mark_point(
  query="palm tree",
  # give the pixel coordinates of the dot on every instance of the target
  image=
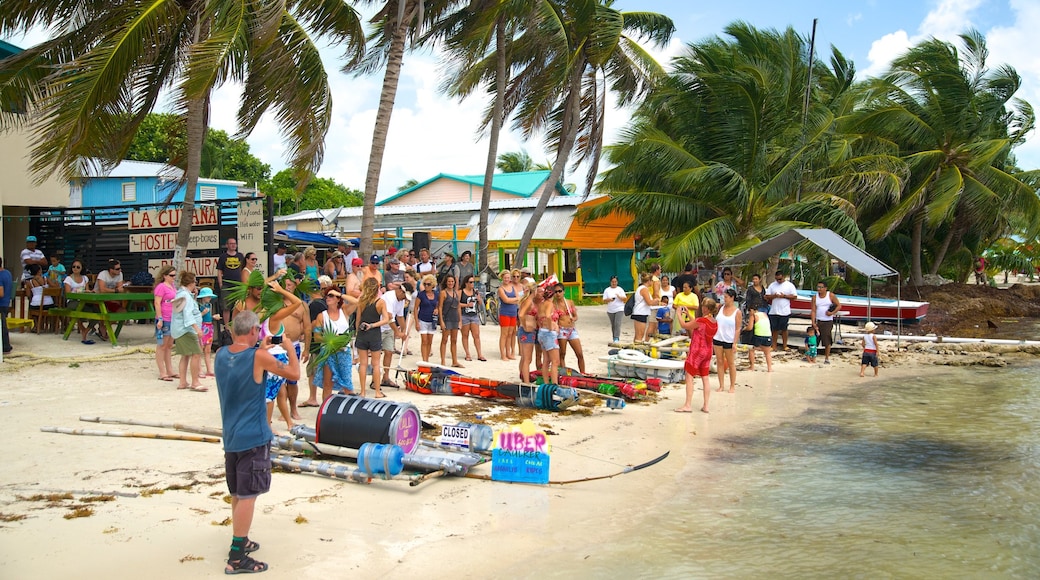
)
(468, 35)
(954, 121)
(91, 86)
(713, 161)
(564, 63)
(395, 22)
(515, 162)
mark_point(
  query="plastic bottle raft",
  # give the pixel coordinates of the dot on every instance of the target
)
(350, 420)
(435, 380)
(630, 389)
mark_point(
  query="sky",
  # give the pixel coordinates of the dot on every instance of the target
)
(431, 134)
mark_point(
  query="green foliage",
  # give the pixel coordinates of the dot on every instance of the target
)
(161, 138)
(320, 193)
(325, 344)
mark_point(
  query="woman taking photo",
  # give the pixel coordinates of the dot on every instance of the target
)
(641, 310)
(729, 320)
(527, 329)
(508, 299)
(449, 312)
(426, 321)
(614, 297)
(470, 317)
(372, 315)
(164, 292)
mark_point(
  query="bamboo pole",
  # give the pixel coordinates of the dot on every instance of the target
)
(176, 426)
(97, 433)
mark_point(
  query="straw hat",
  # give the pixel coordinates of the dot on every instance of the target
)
(869, 327)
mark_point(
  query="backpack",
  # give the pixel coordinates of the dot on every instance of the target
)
(630, 304)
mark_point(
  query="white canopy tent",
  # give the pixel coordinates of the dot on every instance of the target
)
(834, 245)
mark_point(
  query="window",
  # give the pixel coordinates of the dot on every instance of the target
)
(130, 191)
(207, 193)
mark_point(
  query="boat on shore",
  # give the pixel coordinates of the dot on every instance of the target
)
(861, 309)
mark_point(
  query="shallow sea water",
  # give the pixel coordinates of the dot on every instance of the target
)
(935, 476)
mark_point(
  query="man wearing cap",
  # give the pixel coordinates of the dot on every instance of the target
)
(31, 255)
(779, 295)
(349, 251)
(393, 275)
(525, 272)
(372, 271)
(355, 277)
(395, 300)
(279, 257)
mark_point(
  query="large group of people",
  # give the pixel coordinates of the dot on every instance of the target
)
(717, 316)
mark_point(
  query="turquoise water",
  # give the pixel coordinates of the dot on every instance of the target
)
(936, 476)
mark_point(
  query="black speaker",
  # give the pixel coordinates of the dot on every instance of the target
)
(420, 240)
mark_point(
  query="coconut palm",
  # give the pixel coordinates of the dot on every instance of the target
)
(955, 122)
(564, 64)
(395, 22)
(715, 159)
(93, 83)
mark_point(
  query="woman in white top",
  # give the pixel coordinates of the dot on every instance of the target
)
(35, 285)
(337, 371)
(729, 320)
(824, 305)
(614, 297)
(641, 307)
(77, 281)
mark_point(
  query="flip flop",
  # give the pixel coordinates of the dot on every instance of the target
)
(88, 342)
(379, 396)
(182, 387)
(480, 358)
(167, 379)
(200, 389)
(303, 405)
(683, 411)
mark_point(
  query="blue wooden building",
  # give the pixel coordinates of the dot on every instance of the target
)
(141, 182)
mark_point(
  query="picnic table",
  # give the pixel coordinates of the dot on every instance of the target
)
(137, 306)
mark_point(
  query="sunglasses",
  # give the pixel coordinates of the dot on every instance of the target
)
(558, 292)
(77, 267)
(252, 259)
(117, 268)
(171, 274)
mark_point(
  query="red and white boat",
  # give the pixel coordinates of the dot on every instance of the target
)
(854, 308)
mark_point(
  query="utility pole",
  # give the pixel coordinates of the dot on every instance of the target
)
(805, 108)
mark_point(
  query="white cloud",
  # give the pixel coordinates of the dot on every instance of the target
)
(852, 18)
(884, 50)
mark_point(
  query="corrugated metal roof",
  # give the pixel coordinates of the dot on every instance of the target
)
(128, 168)
(510, 224)
(521, 183)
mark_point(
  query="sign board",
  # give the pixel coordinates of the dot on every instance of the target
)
(202, 267)
(166, 242)
(169, 218)
(251, 230)
(456, 435)
(521, 454)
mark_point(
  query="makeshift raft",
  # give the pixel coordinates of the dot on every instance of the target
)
(629, 389)
(629, 364)
(431, 379)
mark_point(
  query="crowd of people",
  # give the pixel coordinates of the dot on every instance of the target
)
(719, 315)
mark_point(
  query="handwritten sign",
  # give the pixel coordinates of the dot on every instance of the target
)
(171, 218)
(251, 230)
(455, 435)
(521, 454)
(206, 267)
(166, 242)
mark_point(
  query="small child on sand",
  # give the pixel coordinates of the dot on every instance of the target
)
(206, 297)
(811, 341)
(870, 349)
(664, 317)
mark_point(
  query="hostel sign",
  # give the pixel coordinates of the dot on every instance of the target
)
(521, 454)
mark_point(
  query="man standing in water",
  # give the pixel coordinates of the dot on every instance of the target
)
(240, 369)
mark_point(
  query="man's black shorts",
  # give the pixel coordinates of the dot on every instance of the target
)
(778, 322)
(248, 472)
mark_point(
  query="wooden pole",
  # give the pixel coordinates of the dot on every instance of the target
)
(176, 426)
(96, 433)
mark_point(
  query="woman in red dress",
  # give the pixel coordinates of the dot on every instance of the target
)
(698, 359)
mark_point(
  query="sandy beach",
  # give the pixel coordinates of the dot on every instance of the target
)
(166, 513)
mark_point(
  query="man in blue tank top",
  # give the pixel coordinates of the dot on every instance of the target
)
(240, 369)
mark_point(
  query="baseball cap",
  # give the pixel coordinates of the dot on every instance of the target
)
(357, 262)
(282, 247)
(394, 261)
(391, 250)
(30, 238)
(374, 259)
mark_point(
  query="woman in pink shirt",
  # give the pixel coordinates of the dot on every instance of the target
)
(164, 292)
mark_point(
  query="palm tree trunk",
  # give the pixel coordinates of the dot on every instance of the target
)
(497, 114)
(567, 137)
(945, 247)
(197, 119)
(916, 242)
(379, 134)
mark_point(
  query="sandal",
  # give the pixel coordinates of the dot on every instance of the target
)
(199, 389)
(245, 565)
(251, 546)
